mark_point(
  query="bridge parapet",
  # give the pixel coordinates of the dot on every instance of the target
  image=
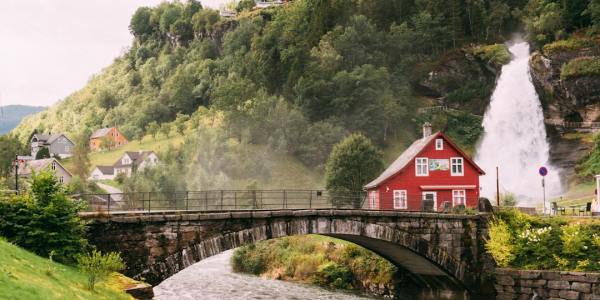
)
(438, 250)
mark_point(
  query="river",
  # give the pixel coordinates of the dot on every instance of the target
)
(213, 278)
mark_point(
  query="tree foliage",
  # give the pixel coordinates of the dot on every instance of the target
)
(44, 220)
(352, 164)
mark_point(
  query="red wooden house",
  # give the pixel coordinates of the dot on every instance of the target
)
(432, 168)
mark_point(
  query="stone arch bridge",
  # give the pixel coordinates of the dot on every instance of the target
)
(437, 252)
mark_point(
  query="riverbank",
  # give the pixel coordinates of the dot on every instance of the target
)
(318, 260)
(214, 279)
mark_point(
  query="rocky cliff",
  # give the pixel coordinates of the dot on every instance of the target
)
(568, 93)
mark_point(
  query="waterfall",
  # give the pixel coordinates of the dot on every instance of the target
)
(514, 137)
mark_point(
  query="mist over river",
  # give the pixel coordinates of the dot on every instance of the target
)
(213, 278)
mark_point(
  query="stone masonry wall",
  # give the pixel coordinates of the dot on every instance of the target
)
(552, 285)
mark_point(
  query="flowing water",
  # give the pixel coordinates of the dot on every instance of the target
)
(514, 136)
(212, 278)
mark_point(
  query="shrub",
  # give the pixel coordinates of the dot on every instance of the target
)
(572, 44)
(496, 54)
(247, 260)
(98, 266)
(574, 239)
(333, 275)
(509, 200)
(500, 244)
(579, 67)
(44, 220)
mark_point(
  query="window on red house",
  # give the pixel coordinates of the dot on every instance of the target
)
(459, 197)
(422, 166)
(400, 199)
(456, 167)
(373, 199)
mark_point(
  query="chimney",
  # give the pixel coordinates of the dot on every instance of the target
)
(426, 129)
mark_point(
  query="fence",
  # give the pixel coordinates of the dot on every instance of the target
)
(221, 200)
(227, 200)
(573, 125)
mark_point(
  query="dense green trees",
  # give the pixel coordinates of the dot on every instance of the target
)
(352, 164)
(44, 220)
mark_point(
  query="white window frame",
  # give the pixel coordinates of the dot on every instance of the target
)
(53, 166)
(400, 199)
(439, 144)
(373, 199)
(419, 164)
(457, 195)
(457, 161)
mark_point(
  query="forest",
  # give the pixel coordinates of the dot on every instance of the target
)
(297, 79)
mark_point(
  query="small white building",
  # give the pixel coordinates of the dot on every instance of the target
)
(102, 173)
(27, 168)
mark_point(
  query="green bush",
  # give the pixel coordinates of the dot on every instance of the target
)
(497, 54)
(333, 275)
(571, 44)
(500, 244)
(247, 260)
(529, 242)
(44, 220)
(579, 67)
(98, 266)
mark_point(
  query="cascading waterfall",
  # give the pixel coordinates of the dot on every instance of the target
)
(514, 136)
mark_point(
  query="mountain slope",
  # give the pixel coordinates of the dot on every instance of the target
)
(11, 115)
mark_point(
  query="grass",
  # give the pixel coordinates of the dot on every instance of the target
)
(107, 158)
(577, 194)
(24, 275)
(580, 67)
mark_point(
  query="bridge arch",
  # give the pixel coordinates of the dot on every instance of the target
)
(421, 244)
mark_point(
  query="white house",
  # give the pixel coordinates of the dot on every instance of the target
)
(27, 168)
(103, 172)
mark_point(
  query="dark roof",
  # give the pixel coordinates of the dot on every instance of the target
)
(411, 152)
(48, 138)
(106, 170)
(138, 156)
(100, 132)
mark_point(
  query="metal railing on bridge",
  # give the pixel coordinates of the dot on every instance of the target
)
(229, 200)
(220, 200)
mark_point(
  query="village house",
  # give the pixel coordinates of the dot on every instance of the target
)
(58, 144)
(432, 174)
(102, 173)
(134, 161)
(27, 168)
(107, 138)
(130, 162)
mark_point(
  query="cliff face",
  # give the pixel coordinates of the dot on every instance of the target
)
(572, 98)
(461, 80)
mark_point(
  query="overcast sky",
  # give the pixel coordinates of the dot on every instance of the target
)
(50, 48)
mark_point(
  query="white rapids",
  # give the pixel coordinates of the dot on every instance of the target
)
(514, 136)
(213, 278)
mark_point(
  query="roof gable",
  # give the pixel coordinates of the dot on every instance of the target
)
(416, 148)
(40, 165)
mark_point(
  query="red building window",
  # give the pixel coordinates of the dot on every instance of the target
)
(373, 199)
(459, 197)
(400, 199)
(422, 166)
(457, 166)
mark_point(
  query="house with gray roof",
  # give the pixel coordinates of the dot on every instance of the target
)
(103, 172)
(132, 161)
(27, 168)
(58, 144)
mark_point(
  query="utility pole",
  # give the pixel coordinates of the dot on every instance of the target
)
(497, 188)
(16, 175)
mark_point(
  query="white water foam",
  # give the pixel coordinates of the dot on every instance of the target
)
(514, 136)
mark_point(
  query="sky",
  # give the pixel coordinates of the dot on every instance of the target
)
(50, 48)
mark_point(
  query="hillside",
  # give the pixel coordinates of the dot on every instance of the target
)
(24, 275)
(11, 115)
(268, 83)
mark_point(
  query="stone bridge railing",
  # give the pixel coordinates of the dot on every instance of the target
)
(438, 251)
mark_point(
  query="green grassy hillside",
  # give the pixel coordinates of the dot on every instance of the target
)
(24, 275)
